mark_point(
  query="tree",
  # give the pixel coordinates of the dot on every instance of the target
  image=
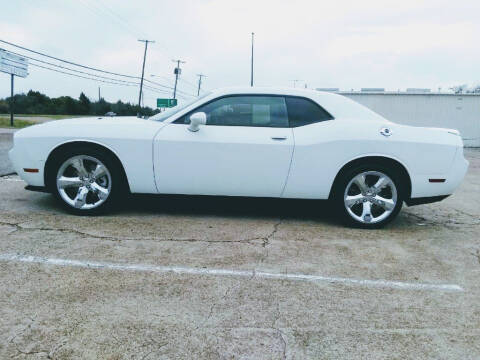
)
(84, 105)
(34, 102)
(4, 107)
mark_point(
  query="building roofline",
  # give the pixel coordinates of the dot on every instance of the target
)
(400, 93)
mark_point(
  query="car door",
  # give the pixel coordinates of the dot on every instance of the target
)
(315, 160)
(245, 149)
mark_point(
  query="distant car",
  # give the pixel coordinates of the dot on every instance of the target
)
(260, 142)
(110, 113)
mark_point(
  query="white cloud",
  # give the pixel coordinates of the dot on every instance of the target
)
(327, 43)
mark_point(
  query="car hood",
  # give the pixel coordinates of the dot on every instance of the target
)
(97, 120)
(92, 127)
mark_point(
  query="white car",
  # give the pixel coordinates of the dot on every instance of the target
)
(263, 142)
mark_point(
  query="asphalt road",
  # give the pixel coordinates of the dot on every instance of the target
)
(215, 278)
(6, 143)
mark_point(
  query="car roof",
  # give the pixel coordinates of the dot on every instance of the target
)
(337, 105)
(265, 90)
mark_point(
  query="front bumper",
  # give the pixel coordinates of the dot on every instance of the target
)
(37, 188)
(21, 160)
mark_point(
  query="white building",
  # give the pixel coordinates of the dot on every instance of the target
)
(420, 107)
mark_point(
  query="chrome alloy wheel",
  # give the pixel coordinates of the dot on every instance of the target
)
(370, 197)
(84, 182)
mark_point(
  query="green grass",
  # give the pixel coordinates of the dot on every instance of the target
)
(56, 117)
(5, 123)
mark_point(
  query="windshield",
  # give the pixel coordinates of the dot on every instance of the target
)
(172, 111)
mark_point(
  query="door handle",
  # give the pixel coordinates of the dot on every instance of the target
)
(279, 138)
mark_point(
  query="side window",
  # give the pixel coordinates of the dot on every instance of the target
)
(304, 112)
(256, 111)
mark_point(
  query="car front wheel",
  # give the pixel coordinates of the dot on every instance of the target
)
(86, 181)
(369, 196)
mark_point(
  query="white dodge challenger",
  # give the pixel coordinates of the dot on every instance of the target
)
(262, 142)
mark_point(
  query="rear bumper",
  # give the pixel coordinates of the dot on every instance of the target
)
(423, 188)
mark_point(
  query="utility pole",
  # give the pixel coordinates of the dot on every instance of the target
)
(99, 97)
(12, 101)
(143, 71)
(251, 65)
(295, 82)
(177, 72)
(199, 82)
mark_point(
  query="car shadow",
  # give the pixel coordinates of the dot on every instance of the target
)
(232, 207)
(229, 206)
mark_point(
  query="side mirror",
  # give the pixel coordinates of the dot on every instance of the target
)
(197, 119)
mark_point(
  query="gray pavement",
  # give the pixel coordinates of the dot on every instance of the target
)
(6, 143)
(162, 278)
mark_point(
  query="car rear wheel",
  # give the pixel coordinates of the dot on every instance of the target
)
(369, 196)
(86, 181)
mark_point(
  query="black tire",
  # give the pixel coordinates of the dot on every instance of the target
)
(117, 178)
(344, 179)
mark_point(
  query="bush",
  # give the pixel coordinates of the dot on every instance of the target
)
(37, 103)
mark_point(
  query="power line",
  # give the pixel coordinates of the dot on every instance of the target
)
(100, 8)
(167, 87)
(92, 77)
(68, 62)
(70, 69)
(163, 92)
(188, 83)
(101, 13)
(83, 77)
(103, 81)
(121, 18)
(86, 73)
(161, 76)
(193, 86)
(86, 67)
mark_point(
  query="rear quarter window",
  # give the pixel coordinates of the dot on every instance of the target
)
(303, 112)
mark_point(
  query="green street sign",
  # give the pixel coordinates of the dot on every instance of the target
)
(166, 103)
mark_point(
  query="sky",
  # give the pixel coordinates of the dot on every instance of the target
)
(345, 44)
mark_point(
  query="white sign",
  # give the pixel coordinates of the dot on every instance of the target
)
(13, 64)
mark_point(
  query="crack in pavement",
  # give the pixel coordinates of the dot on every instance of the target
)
(266, 239)
(224, 297)
(251, 241)
(446, 223)
(274, 327)
(477, 255)
(32, 351)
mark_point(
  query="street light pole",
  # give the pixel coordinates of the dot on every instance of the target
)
(295, 82)
(251, 65)
(199, 83)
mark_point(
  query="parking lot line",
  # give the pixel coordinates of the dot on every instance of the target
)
(231, 273)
